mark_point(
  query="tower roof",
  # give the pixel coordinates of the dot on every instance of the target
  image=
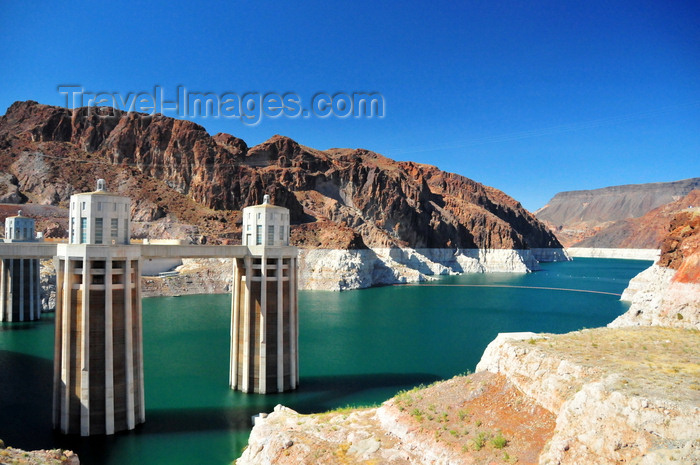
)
(101, 190)
(19, 215)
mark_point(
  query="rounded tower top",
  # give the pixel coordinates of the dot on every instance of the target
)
(99, 217)
(265, 224)
(19, 228)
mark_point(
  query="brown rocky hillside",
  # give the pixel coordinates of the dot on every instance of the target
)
(645, 232)
(185, 182)
(598, 218)
(680, 249)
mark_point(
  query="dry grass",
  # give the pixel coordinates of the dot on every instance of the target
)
(481, 417)
(651, 361)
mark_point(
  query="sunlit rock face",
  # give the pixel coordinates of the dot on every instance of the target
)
(178, 173)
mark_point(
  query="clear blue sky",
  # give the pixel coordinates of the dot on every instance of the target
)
(529, 99)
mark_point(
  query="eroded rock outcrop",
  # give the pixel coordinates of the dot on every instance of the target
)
(341, 269)
(177, 173)
(585, 397)
(10, 455)
(668, 293)
(612, 406)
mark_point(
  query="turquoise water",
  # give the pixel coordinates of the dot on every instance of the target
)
(356, 347)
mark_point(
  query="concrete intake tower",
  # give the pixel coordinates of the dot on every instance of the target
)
(265, 317)
(98, 379)
(98, 356)
(20, 281)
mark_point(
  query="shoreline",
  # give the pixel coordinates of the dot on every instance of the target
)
(624, 254)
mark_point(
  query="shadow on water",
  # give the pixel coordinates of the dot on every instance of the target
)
(26, 402)
(317, 394)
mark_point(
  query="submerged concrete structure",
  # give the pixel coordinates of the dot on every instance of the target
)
(264, 317)
(98, 354)
(20, 279)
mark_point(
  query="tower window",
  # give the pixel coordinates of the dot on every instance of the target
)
(114, 226)
(83, 230)
(258, 235)
(270, 235)
(98, 230)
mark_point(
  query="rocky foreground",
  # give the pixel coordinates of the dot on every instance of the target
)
(668, 292)
(600, 396)
(12, 456)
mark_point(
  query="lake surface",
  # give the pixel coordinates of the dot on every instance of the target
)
(356, 347)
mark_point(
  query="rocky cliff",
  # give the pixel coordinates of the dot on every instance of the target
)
(668, 293)
(577, 398)
(603, 217)
(185, 181)
(645, 232)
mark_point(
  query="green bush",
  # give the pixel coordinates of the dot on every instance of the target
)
(498, 441)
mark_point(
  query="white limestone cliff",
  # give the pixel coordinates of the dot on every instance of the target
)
(342, 269)
(600, 252)
(608, 406)
(657, 300)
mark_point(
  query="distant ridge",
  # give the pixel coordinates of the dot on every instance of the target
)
(576, 216)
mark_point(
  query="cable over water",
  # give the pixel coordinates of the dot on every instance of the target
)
(519, 287)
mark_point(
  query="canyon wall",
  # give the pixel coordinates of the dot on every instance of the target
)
(189, 185)
(668, 293)
(630, 216)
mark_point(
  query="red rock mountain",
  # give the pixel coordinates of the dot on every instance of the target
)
(680, 249)
(612, 216)
(646, 232)
(185, 182)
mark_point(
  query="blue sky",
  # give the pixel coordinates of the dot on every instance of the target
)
(529, 97)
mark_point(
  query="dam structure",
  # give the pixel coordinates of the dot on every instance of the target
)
(98, 352)
(264, 317)
(20, 281)
(98, 380)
